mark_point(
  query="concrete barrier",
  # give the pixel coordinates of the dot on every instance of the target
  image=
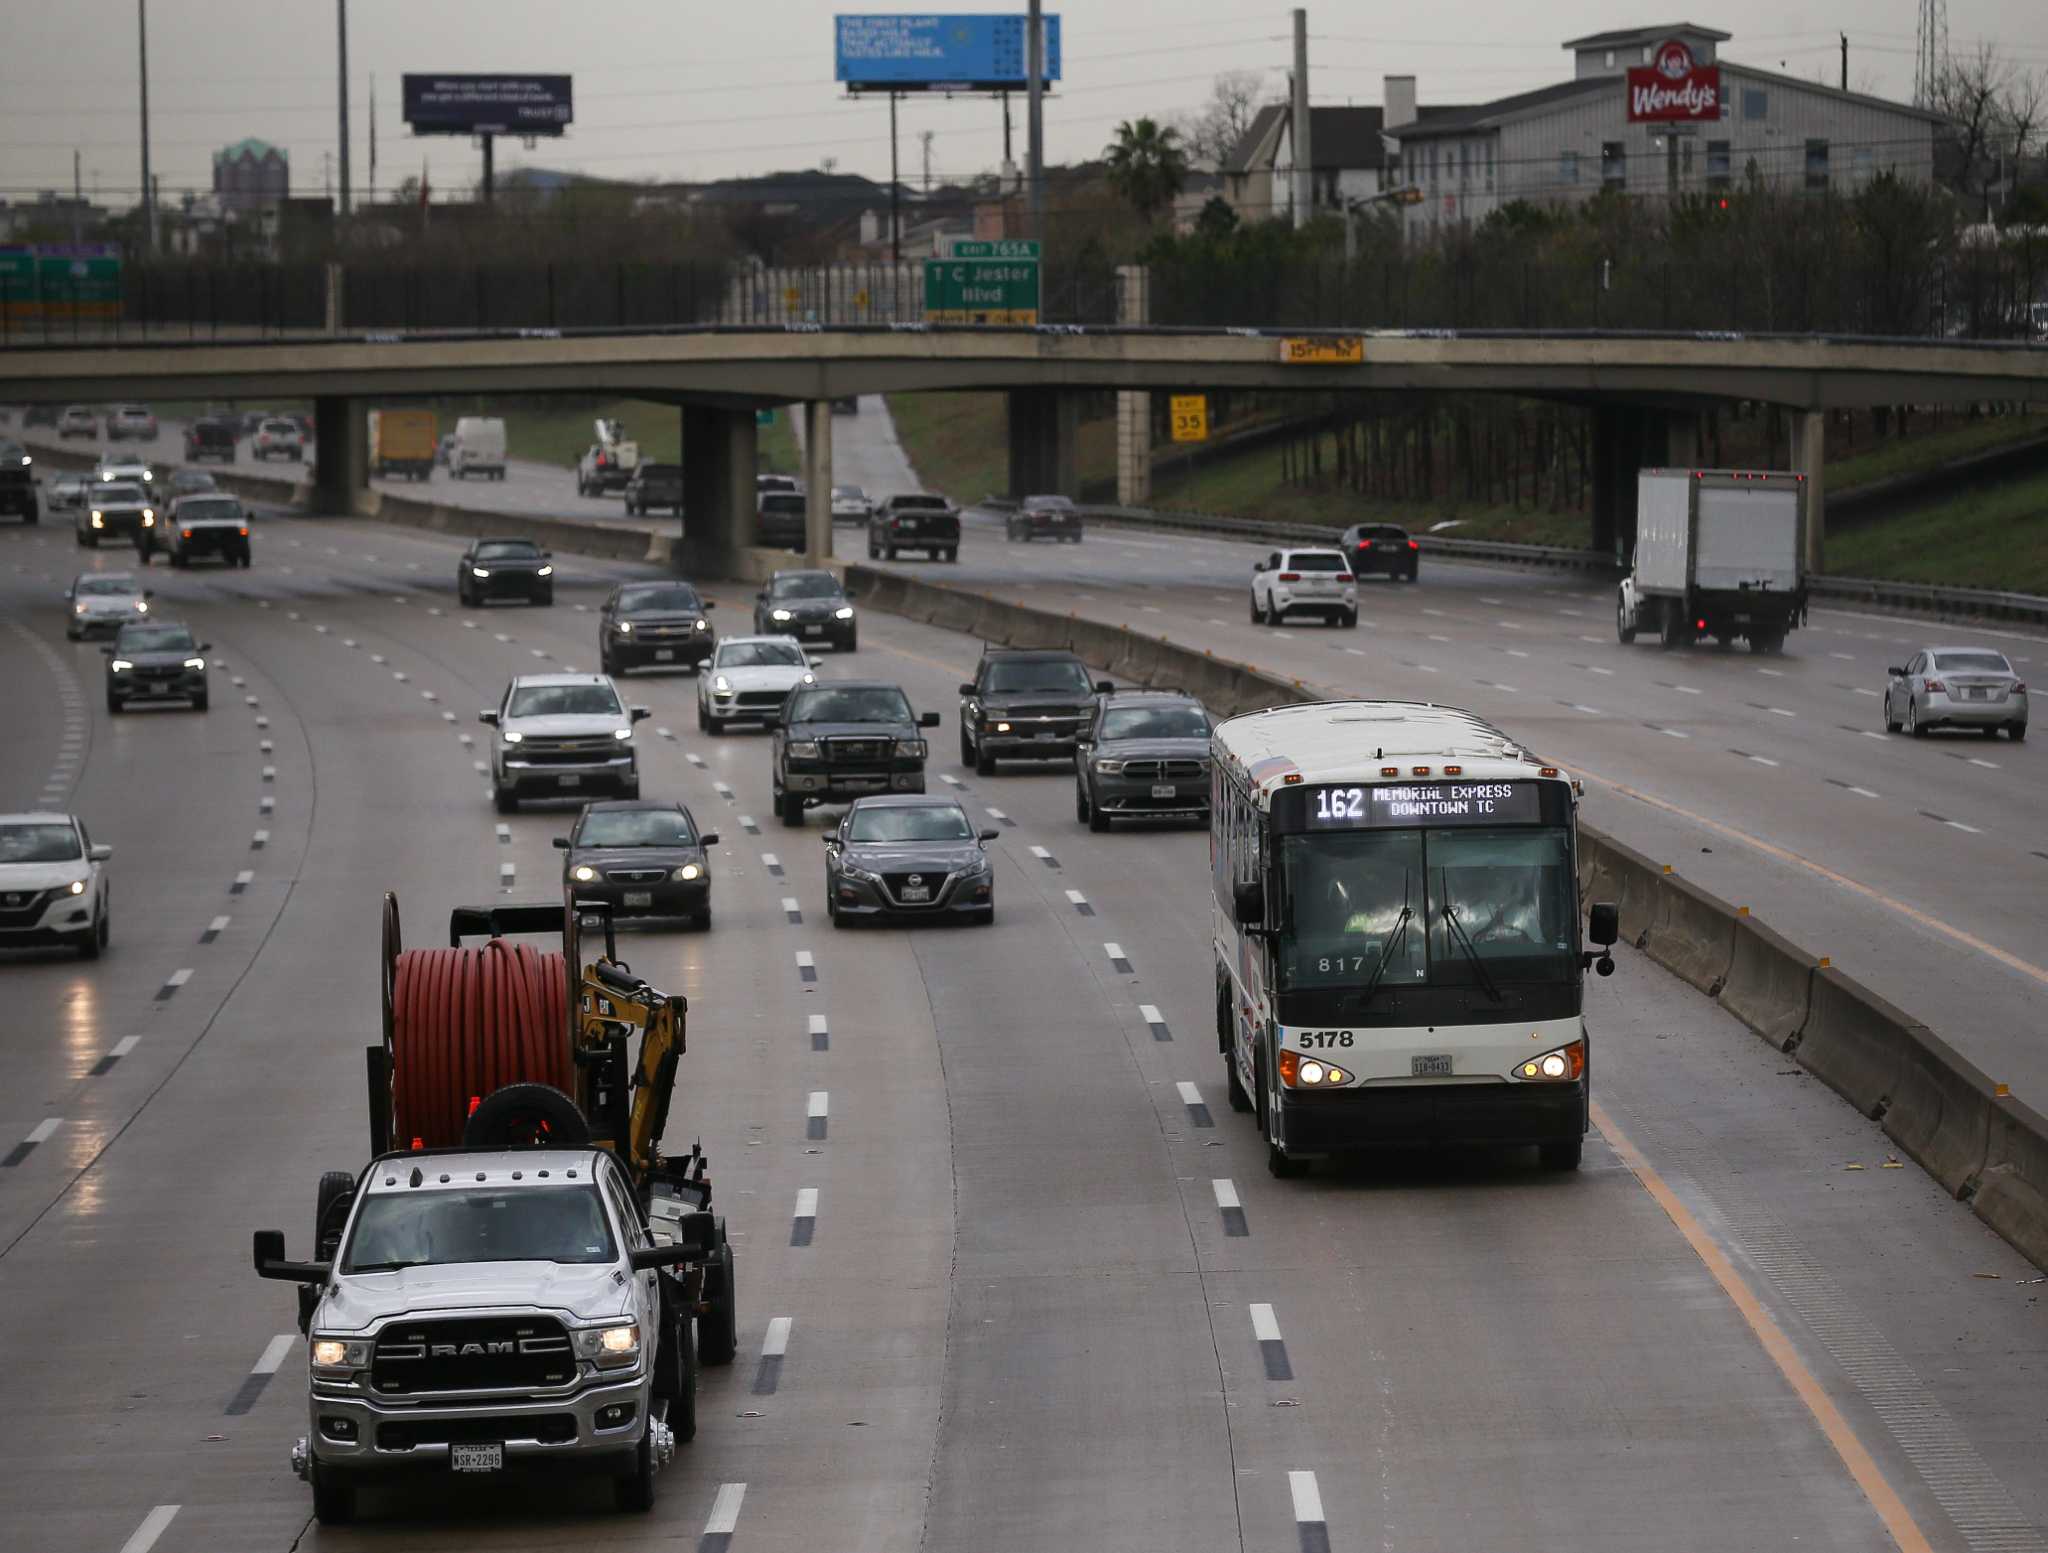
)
(1770, 982)
(1940, 1112)
(1631, 881)
(2012, 1193)
(1693, 936)
(1854, 1041)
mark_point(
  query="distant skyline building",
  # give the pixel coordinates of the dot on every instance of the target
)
(251, 174)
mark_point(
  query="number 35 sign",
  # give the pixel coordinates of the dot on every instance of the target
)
(1190, 418)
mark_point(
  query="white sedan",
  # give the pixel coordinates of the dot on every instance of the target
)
(53, 883)
(747, 680)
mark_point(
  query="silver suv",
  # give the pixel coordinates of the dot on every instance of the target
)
(562, 736)
(488, 1311)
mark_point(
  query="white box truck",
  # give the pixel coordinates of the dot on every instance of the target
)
(478, 448)
(1720, 553)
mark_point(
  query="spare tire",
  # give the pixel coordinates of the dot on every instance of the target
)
(526, 1116)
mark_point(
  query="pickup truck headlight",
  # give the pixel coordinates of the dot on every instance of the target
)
(622, 733)
(514, 736)
(703, 625)
(338, 1355)
(780, 614)
(99, 520)
(803, 749)
(624, 628)
(1110, 767)
(610, 1347)
(195, 663)
(479, 571)
(78, 609)
(910, 749)
(845, 612)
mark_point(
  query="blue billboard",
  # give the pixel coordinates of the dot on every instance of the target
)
(927, 53)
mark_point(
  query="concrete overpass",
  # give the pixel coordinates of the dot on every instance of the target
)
(1643, 388)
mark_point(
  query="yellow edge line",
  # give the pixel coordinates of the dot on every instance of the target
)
(1786, 855)
(1883, 1498)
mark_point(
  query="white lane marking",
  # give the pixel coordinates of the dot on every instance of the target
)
(270, 773)
(504, 831)
(996, 814)
(1149, 1012)
(1761, 760)
(537, 652)
(479, 767)
(1590, 711)
(428, 695)
(153, 1526)
(1988, 765)
(791, 904)
(1959, 825)
(263, 746)
(1514, 652)
(722, 789)
(1151, 609)
(273, 1354)
(690, 755)
(125, 1045)
(1673, 733)
(1870, 733)
(1265, 1325)
(1608, 672)
(806, 1202)
(804, 962)
(44, 1130)
(1115, 952)
(1688, 690)
(1436, 612)
(1862, 691)
(376, 657)
(1574, 613)
(1356, 652)
(817, 1024)
(266, 805)
(1226, 1193)
(469, 625)
(348, 641)
(1077, 897)
(666, 734)
(399, 675)
(819, 1103)
(770, 860)
(949, 779)
(260, 838)
(1215, 622)
(465, 740)
(1189, 1095)
(725, 1510)
(1846, 657)
(217, 926)
(178, 978)
(776, 1343)
(1426, 668)
(505, 872)
(1285, 636)
(1485, 600)
(1779, 711)
(501, 636)
(1040, 853)
(1773, 673)
(1308, 1499)
(1435, 638)
(1862, 792)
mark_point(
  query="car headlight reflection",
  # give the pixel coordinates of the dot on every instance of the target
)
(120, 665)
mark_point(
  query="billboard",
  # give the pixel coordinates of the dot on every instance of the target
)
(925, 53)
(1673, 88)
(488, 104)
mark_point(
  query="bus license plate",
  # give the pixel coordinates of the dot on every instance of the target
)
(477, 1458)
(642, 898)
(1437, 1065)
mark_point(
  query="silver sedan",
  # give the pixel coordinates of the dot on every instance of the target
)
(1956, 687)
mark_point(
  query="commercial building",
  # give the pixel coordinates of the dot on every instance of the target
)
(1656, 111)
(250, 174)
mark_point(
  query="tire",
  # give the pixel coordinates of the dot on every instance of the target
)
(92, 541)
(889, 553)
(1891, 724)
(1560, 1156)
(718, 1329)
(334, 1497)
(984, 764)
(966, 750)
(1098, 820)
(1349, 619)
(790, 806)
(244, 559)
(545, 600)
(681, 1338)
(852, 642)
(1239, 1100)
(1670, 628)
(952, 557)
(337, 1192)
(113, 704)
(90, 943)
(701, 920)
(1081, 804)
(703, 719)
(199, 703)
(522, 1114)
(1624, 633)
(2017, 732)
(1258, 616)
(1767, 642)
(507, 800)
(1916, 728)
(633, 1489)
(874, 551)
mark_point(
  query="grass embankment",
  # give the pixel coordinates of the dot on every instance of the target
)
(1995, 537)
(959, 443)
(1957, 438)
(558, 433)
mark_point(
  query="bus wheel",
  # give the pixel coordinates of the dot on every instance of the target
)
(1239, 1100)
(1560, 1156)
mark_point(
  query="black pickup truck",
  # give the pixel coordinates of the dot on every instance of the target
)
(917, 520)
(845, 740)
(211, 437)
(18, 483)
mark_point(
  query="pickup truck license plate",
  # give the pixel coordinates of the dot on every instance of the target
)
(477, 1458)
(572, 780)
(1435, 1066)
(639, 898)
(664, 655)
(916, 892)
(1162, 790)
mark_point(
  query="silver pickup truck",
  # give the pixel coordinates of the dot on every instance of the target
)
(483, 1312)
(207, 524)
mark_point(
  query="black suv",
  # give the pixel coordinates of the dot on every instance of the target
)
(845, 740)
(210, 437)
(18, 482)
(155, 660)
(655, 485)
(916, 521)
(811, 606)
(1146, 753)
(1026, 703)
(657, 623)
(1381, 547)
(505, 568)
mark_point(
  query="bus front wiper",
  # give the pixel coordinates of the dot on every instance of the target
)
(1395, 937)
(1471, 951)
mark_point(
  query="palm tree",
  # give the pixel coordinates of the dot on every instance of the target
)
(1147, 165)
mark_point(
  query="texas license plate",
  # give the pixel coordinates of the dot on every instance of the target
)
(639, 897)
(1162, 789)
(814, 630)
(1980, 695)
(916, 892)
(477, 1458)
(570, 780)
(664, 655)
(1437, 1065)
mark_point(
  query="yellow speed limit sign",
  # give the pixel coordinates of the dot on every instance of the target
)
(1190, 418)
(1330, 351)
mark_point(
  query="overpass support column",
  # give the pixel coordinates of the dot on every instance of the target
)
(1044, 428)
(817, 481)
(1809, 457)
(718, 489)
(1133, 406)
(341, 456)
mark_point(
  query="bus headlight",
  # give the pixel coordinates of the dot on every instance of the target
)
(1299, 1072)
(1563, 1065)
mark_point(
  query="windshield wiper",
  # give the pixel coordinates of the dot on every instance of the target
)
(1396, 936)
(385, 1267)
(1471, 951)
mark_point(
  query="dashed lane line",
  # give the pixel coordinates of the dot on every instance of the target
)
(153, 1526)
(38, 1135)
(803, 1223)
(259, 1376)
(1197, 1107)
(1154, 1021)
(1231, 1207)
(774, 1348)
(817, 1115)
(1272, 1345)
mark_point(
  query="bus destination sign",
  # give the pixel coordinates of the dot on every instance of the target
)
(1426, 804)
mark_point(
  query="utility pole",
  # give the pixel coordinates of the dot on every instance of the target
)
(372, 195)
(895, 191)
(926, 137)
(1304, 163)
(148, 184)
(1034, 116)
(341, 27)
(1845, 62)
(77, 199)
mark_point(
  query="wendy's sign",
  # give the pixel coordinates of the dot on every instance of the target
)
(1673, 87)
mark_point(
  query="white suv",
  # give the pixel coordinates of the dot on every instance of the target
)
(279, 438)
(53, 883)
(1304, 582)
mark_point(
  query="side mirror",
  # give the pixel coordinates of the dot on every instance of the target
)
(708, 839)
(1248, 903)
(1258, 566)
(107, 652)
(206, 647)
(1896, 673)
(1104, 687)
(1603, 922)
(101, 853)
(988, 835)
(488, 719)
(831, 838)
(562, 843)
(711, 603)
(966, 690)
(929, 720)
(267, 1252)
(641, 714)
(149, 593)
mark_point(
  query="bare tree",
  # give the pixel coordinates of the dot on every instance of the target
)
(1970, 93)
(1211, 132)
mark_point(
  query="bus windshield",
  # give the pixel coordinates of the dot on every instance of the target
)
(1483, 907)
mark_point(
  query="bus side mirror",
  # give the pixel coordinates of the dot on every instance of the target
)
(1248, 903)
(1603, 924)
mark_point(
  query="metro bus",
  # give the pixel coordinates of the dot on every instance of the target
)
(1397, 932)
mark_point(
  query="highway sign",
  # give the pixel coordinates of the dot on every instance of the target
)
(487, 104)
(764, 417)
(1190, 417)
(1341, 351)
(998, 248)
(927, 53)
(981, 291)
(61, 280)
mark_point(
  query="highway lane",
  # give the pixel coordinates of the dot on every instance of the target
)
(1052, 1329)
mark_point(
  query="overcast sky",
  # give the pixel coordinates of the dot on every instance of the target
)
(690, 89)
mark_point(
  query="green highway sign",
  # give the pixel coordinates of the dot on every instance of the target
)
(1001, 248)
(982, 289)
(764, 417)
(61, 280)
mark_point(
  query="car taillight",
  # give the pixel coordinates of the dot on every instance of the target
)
(1935, 684)
(1414, 544)
(2019, 687)
(184, 533)
(1288, 577)
(1365, 544)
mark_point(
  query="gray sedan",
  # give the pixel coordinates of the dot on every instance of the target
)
(1956, 687)
(905, 855)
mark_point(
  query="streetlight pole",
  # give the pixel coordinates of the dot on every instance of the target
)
(1034, 117)
(148, 183)
(341, 26)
